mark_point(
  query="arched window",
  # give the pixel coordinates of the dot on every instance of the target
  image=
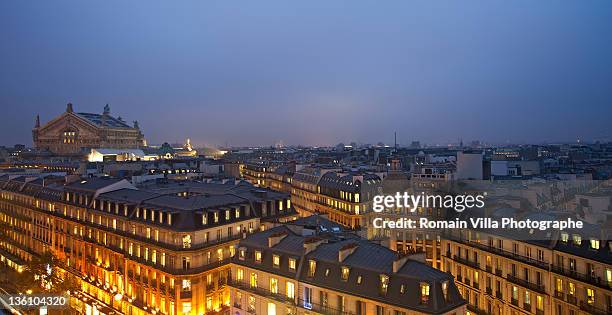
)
(69, 136)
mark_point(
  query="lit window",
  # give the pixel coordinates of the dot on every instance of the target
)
(258, 256)
(564, 237)
(216, 217)
(186, 241)
(445, 289)
(239, 274)
(384, 284)
(253, 281)
(540, 303)
(242, 254)
(359, 279)
(276, 261)
(186, 307)
(590, 296)
(577, 239)
(186, 285)
(273, 285)
(290, 290)
(345, 273)
(424, 293)
(204, 219)
(312, 266)
(594, 244)
(292, 264)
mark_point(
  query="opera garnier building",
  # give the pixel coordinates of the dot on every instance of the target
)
(73, 133)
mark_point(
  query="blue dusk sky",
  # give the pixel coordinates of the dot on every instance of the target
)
(313, 72)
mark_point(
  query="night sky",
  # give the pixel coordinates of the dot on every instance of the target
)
(313, 73)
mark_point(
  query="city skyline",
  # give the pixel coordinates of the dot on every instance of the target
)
(308, 74)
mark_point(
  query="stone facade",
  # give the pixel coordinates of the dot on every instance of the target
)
(74, 133)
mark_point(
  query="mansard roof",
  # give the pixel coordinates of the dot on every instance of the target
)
(367, 262)
(104, 120)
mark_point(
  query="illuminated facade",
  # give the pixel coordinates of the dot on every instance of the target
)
(279, 271)
(344, 197)
(569, 274)
(135, 251)
(265, 174)
(74, 133)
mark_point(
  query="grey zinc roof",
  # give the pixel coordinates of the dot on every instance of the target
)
(92, 184)
(368, 262)
(192, 203)
(101, 121)
(128, 195)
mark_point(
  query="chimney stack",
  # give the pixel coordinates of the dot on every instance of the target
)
(346, 251)
(276, 238)
(311, 244)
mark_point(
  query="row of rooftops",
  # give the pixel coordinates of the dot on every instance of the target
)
(186, 209)
(337, 179)
(348, 264)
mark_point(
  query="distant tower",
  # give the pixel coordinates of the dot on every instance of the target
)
(106, 110)
(395, 141)
(69, 108)
(37, 125)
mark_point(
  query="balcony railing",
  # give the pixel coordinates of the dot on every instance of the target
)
(582, 277)
(559, 295)
(592, 309)
(526, 284)
(495, 250)
(527, 307)
(242, 285)
(322, 309)
(475, 310)
(466, 261)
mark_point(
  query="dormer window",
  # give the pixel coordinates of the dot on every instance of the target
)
(384, 284)
(424, 290)
(564, 237)
(280, 205)
(359, 279)
(216, 217)
(594, 244)
(276, 261)
(312, 267)
(345, 273)
(445, 290)
(237, 213)
(402, 289)
(292, 264)
(242, 254)
(577, 239)
(227, 215)
(258, 256)
(204, 218)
